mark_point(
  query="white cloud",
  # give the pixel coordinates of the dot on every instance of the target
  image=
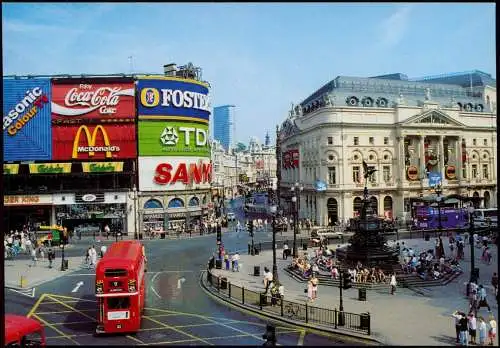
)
(394, 28)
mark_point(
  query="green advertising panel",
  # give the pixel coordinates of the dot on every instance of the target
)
(176, 138)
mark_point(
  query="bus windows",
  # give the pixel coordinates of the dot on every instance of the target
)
(119, 302)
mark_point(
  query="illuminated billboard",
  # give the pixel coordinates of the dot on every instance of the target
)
(174, 173)
(27, 132)
(161, 97)
(173, 138)
(94, 142)
(92, 101)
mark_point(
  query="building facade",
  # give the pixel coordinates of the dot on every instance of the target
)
(223, 125)
(416, 134)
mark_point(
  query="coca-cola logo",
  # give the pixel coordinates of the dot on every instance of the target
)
(85, 98)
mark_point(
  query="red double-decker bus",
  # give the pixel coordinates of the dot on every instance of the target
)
(120, 287)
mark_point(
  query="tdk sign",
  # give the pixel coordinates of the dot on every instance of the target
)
(164, 98)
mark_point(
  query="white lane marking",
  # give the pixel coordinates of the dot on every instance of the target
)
(78, 285)
(26, 292)
(152, 287)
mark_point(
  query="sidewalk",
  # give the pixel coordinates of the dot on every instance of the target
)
(36, 275)
(403, 319)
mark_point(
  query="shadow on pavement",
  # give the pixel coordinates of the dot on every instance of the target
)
(448, 340)
(83, 316)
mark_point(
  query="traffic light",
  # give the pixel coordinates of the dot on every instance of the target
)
(270, 336)
(346, 280)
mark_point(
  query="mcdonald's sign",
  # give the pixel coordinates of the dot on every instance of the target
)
(89, 142)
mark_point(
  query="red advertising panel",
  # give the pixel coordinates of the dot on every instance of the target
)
(92, 101)
(94, 142)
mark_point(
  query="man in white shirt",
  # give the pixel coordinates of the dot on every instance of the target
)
(103, 250)
(268, 278)
(285, 251)
(234, 261)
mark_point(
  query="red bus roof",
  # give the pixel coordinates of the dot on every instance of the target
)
(120, 254)
(17, 326)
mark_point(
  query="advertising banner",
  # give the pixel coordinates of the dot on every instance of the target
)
(434, 178)
(174, 173)
(93, 142)
(97, 101)
(9, 169)
(102, 167)
(27, 134)
(50, 168)
(173, 98)
(290, 159)
(173, 138)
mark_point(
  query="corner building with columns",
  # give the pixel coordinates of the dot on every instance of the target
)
(414, 132)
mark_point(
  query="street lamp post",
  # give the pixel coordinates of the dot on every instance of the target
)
(296, 189)
(63, 266)
(274, 209)
(135, 198)
(438, 191)
(471, 242)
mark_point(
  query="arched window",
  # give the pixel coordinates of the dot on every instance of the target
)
(194, 202)
(374, 204)
(388, 206)
(176, 203)
(487, 199)
(153, 204)
(356, 206)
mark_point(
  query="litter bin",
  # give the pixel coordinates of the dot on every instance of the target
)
(364, 321)
(256, 251)
(304, 246)
(162, 235)
(223, 283)
(65, 263)
(427, 237)
(218, 264)
(256, 271)
(263, 299)
(362, 294)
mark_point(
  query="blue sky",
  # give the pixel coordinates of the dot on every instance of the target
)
(259, 57)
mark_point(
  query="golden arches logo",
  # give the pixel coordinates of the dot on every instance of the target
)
(91, 139)
(150, 97)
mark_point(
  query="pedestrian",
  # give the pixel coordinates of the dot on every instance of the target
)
(33, 257)
(483, 302)
(87, 257)
(456, 315)
(472, 328)
(494, 281)
(226, 261)
(285, 251)
(492, 332)
(93, 256)
(103, 251)
(393, 283)
(50, 257)
(310, 289)
(235, 259)
(464, 326)
(41, 250)
(483, 331)
(314, 282)
(107, 230)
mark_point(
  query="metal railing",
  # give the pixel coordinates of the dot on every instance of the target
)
(302, 312)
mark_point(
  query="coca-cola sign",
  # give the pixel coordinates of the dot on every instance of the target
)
(74, 103)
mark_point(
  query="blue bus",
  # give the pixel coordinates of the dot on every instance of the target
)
(427, 218)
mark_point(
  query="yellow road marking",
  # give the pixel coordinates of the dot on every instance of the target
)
(73, 309)
(301, 338)
(55, 329)
(35, 306)
(134, 339)
(72, 298)
(179, 331)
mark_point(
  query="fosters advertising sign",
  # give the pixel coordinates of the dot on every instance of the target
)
(173, 139)
(174, 173)
(26, 120)
(94, 142)
(92, 101)
(173, 98)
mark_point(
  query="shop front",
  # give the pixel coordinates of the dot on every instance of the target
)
(27, 211)
(89, 213)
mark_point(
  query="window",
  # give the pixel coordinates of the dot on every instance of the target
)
(331, 175)
(474, 171)
(464, 172)
(386, 140)
(485, 171)
(122, 302)
(355, 174)
(356, 140)
(387, 173)
(474, 142)
(371, 140)
(372, 176)
(485, 142)
(330, 140)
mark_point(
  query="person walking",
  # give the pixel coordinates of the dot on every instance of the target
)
(483, 302)
(226, 261)
(494, 281)
(50, 258)
(464, 326)
(456, 315)
(103, 250)
(309, 290)
(235, 259)
(33, 257)
(393, 283)
(314, 282)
